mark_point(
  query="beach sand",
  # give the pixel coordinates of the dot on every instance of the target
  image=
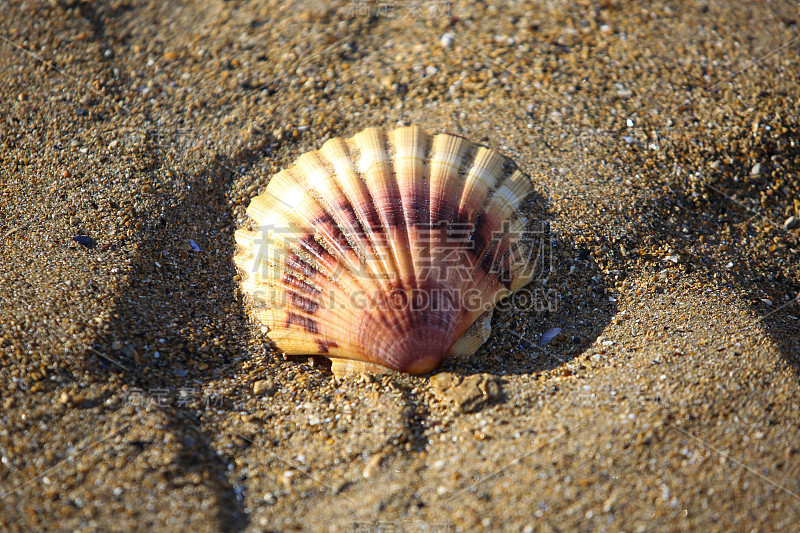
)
(135, 394)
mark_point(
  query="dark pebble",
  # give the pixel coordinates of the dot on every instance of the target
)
(84, 240)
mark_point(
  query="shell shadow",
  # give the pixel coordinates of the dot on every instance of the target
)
(722, 242)
(568, 293)
(177, 325)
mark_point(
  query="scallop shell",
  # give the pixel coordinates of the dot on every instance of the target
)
(387, 250)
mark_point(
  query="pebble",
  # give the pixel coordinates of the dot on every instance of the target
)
(469, 394)
(287, 478)
(756, 170)
(263, 387)
(446, 40)
(83, 240)
(791, 222)
(549, 335)
(128, 350)
(372, 465)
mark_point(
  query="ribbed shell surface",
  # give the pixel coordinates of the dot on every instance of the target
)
(385, 247)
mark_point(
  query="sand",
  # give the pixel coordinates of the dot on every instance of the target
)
(136, 394)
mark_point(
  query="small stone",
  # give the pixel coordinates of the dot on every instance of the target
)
(444, 380)
(131, 353)
(470, 394)
(170, 56)
(791, 222)
(756, 170)
(287, 478)
(446, 40)
(263, 387)
(84, 240)
(372, 465)
(388, 81)
(548, 336)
